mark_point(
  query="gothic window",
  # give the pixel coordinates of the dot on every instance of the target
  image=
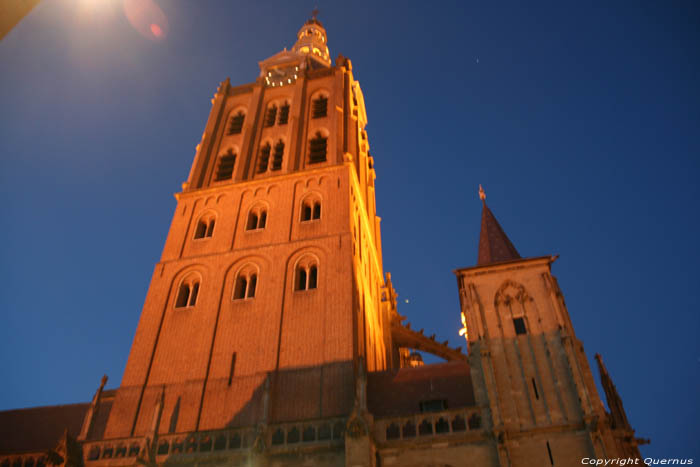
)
(441, 426)
(225, 169)
(409, 429)
(236, 123)
(318, 148)
(324, 432)
(474, 422)
(205, 444)
(310, 210)
(93, 454)
(257, 218)
(458, 423)
(319, 107)
(425, 428)
(306, 276)
(278, 437)
(205, 227)
(245, 286)
(234, 442)
(219, 443)
(284, 114)
(134, 450)
(309, 434)
(191, 444)
(519, 324)
(187, 294)
(277, 156)
(163, 447)
(392, 431)
(270, 115)
(293, 435)
(264, 158)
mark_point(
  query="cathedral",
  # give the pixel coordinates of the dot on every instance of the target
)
(270, 334)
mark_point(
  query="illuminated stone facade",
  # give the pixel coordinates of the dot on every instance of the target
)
(270, 335)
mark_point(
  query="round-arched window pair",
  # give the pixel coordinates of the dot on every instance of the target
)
(187, 292)
(205, 226)
(306, 276)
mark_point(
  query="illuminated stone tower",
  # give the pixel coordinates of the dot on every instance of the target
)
(527, 365)
(266, 305)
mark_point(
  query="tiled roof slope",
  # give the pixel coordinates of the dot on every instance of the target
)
(494, 244)
(400, 392)
(39, 428)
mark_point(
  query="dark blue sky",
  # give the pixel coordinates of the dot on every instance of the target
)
(581, 120)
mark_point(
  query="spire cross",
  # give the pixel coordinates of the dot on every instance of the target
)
(482, 193)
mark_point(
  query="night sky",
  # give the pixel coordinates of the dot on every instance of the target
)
(580, 119)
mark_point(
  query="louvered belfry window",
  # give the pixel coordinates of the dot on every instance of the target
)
(277, 157)
(264, 158)
(319, 107)
(317, 149)
(225, 169)
(236, 124)
(284, 114)
(270, 116)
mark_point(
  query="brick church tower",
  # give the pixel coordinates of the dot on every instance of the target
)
(270, 334)
(268, 289)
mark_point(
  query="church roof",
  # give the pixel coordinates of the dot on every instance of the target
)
(400, 392)
(39, 428)
(494, 244)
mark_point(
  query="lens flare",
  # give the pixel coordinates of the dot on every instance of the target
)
(156, 30)
(147, 18)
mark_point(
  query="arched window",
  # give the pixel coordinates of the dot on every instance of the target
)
(319, 106)
(257, 218)
(278, 155)
(224, 171)
(205, 226)
(284, 114)
(318, 148)
(236, 123)
(306, 276)
(187, 293)
(270, 115)
(245, 286)
(310, 210)
(264, 158)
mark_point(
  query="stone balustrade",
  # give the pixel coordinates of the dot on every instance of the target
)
(429, 424)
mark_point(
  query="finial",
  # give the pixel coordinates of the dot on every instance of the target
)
(482, 193)
(314, 13)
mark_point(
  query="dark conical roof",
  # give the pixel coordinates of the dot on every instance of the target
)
(494, 245)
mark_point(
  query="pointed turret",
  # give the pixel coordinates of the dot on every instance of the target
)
(494, 245)
(617, 412)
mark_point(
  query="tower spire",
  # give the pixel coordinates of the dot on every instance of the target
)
(494, 244)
